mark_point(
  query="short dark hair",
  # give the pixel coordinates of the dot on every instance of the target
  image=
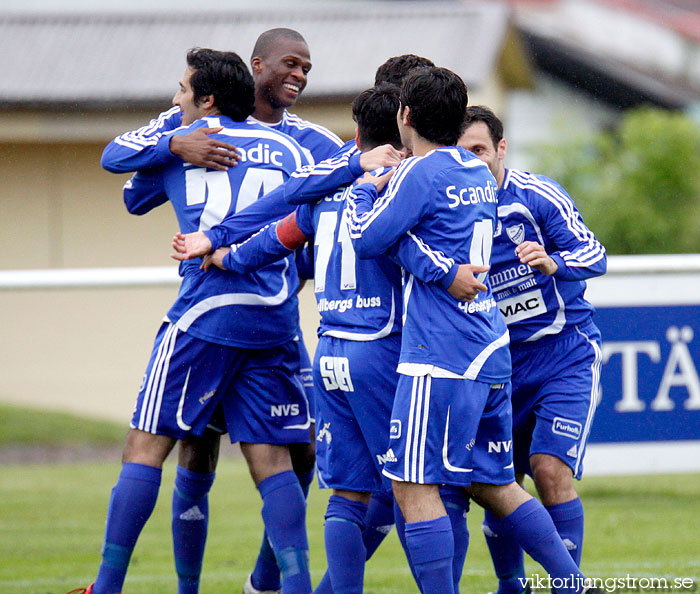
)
(224, 75)
(481, 113)
(395, 69)
(374, 110)
(268, 38)
(438, 100)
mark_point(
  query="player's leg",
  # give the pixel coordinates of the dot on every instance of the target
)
(283, 512)
(162, 415)
(131, 504)
(507, 555)
(266, 410)
(521, 516)
(564, 414)
(431, 421)
(355, 386)
(194, 477)
(265, 576)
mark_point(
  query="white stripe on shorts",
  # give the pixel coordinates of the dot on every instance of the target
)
(417, 430)
(152, 398)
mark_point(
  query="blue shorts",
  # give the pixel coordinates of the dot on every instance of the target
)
(257, 390)
(355, 386)
(306, 376)
(451, 432)
(555, 392)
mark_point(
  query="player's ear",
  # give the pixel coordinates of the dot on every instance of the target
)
(256, 64)
(501, 149)
(405, 115)
(207, 102)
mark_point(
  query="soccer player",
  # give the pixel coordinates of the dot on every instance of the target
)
(280, 63)
(355, 364)
(542, 254)
(452, 397)
(224, 338)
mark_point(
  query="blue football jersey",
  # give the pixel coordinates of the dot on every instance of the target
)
(256, 310)
(448, 199)
(357, 299)
(535, 208)
(318, 142)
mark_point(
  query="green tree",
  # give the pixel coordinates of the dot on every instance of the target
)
(638, 187)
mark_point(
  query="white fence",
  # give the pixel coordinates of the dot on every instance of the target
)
(648, 365)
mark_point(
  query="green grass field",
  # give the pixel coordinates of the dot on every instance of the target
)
(52, 521)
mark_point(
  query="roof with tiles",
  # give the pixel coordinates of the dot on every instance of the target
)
(98, 58)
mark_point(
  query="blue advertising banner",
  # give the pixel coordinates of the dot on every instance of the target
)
(649, 380)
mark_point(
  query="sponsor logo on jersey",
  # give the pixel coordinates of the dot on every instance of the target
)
(509, 277)
(516, 233)
(388, 457)
(262, 154)
(284, 410)
(566, 427)
(477, 306)
(395, 429)
(325, 433)
(471, 195)
(522, 307)
(470, 445)
(500, 446)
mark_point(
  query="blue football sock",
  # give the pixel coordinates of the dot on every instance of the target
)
(131, 504)
(456, 504)
(378, 521)
(507, 556)
(190, 519)
(568, 519)
(266, 573)
(345, 551)
(284, 514)
(534, 530)
(431, 545)
(401, 533)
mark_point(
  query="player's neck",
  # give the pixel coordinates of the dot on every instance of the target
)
(421, 147)
(264, 112)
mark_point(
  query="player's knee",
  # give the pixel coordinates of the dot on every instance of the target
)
(553, 479)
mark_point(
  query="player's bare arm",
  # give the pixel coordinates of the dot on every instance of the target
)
(190, 245)
(384, 155)
(465, 286)
(200, 149)
(534, 255)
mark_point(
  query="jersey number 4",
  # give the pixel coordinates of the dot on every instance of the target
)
(214, 189)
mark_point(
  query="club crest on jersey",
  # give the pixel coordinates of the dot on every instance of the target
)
(516, 233)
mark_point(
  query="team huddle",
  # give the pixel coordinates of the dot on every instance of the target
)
(456, 352)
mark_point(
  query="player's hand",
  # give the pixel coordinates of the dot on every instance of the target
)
(215, 259)
(465, 286)
(381, 156)
(534, 255)
(190, 245)
(378, 180)
(201, 150)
